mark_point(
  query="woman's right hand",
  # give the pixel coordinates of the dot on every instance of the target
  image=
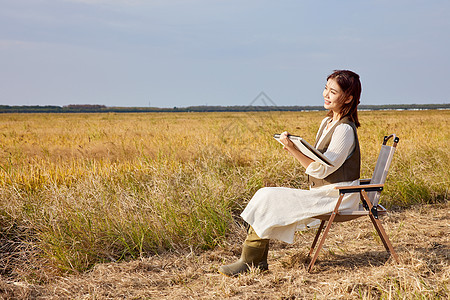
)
(290, 147)
(284, 138)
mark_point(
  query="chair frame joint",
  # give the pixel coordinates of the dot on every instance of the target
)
(374, 212)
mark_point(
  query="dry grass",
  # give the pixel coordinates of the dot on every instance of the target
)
(353, 265)
(82, 191)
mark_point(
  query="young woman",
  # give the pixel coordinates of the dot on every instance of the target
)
(277, 212)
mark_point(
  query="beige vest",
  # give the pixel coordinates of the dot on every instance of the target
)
(351, 167)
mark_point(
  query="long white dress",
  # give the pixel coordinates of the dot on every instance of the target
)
(277, 212)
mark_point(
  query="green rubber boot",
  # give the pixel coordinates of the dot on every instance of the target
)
(263, 265)
(250, 257)
(254, 254)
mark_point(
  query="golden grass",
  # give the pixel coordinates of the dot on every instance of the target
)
(353, 265)
(82, 189)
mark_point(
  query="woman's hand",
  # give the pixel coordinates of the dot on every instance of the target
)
(286, 141)
(289, 146)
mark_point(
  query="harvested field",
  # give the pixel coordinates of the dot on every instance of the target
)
(141, 206)
(352, 265)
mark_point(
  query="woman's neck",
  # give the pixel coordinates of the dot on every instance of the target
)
(336, 116)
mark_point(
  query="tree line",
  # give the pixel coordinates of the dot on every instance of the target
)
(88, 108)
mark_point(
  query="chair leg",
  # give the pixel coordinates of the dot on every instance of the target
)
(322, 240)
(380, 234)
(379, 228)
(322, 223)
(325, 233)
(384, 238)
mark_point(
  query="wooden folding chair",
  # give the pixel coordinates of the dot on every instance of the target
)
(369, 190)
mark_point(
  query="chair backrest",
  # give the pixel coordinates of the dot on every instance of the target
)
(382, 167)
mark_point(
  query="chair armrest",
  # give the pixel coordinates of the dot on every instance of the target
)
(357, 188)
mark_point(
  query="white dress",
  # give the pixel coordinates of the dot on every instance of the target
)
(277, 212)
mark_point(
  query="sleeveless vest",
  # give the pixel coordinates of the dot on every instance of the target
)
(351, 167)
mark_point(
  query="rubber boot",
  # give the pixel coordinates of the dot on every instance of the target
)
(252, 238)
(255, 241)
(263, 265)
(254, 254)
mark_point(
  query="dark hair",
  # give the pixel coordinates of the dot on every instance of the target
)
(350, 85)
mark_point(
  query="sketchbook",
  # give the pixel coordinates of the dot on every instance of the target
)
(305, 148)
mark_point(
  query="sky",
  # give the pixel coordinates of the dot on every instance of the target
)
(178, 53)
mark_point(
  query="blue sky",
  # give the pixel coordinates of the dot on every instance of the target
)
(180, 53)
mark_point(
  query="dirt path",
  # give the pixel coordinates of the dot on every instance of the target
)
(352, 265)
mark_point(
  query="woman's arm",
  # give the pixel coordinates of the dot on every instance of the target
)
(341, 145)
(290, 147)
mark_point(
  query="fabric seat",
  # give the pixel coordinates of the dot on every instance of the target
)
(351, 215)
(370, 191)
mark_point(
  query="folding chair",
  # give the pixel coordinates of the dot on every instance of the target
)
(369, 190)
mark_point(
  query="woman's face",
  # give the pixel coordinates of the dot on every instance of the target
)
(332, 96)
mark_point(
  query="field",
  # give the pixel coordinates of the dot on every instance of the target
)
(96, 203)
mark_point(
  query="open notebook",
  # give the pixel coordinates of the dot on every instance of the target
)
(305, 148)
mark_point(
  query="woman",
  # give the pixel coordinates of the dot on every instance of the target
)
(277, 212)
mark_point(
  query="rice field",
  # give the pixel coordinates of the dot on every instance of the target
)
(79, 190)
